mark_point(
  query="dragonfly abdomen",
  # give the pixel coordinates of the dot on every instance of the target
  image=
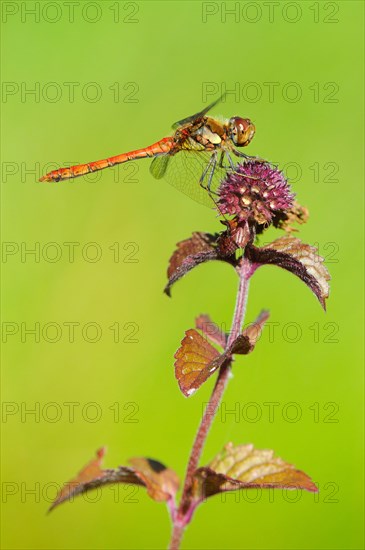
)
(159, 148)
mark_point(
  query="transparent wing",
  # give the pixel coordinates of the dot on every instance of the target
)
(158, 166)
(198, 115)
(184, 169)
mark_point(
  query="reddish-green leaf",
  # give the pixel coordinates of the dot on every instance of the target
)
(301, 259)
(199, 248)
(195, 361)
(244, 467)
(245, 343)
(161, 482)
(237, 235)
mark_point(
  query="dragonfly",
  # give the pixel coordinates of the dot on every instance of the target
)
(194, 159)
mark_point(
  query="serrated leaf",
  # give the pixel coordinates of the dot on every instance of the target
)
(211, 330)
(195, 361)
(244, 467)
(301, 259)
(161, 482)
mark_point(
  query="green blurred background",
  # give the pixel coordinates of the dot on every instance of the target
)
(136, 67)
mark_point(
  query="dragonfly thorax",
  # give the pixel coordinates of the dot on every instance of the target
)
(206, 136)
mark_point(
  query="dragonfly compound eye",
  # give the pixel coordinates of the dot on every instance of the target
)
(241, 131)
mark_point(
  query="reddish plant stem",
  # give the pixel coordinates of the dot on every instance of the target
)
(184, 513)
(177, 535)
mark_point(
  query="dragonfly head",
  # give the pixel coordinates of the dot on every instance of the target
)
(240, 131)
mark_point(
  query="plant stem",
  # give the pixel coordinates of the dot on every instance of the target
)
(176, 537)
(183, 514)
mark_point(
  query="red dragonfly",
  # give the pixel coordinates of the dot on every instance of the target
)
(195, 158)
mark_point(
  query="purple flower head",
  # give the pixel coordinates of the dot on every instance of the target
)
(256, 192)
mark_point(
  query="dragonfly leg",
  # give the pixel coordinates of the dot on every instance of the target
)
(221, 158)
(233, 168)
(230, 162)
(210, 178)
(206, 169)
(230, 166)
(209, 169)
(243, 155)
(213, 165)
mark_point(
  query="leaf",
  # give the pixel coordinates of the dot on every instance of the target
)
(161, 483)
(191, 252)
(196, 360)
(237, 235)
(245, 343)
(92, 476)
(199, 248)
(297, 214)
(301, 259)
(244, 467)
(211, 330)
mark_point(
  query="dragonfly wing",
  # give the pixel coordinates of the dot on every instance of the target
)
(159, 165)
(184, 171)
(197, 115)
